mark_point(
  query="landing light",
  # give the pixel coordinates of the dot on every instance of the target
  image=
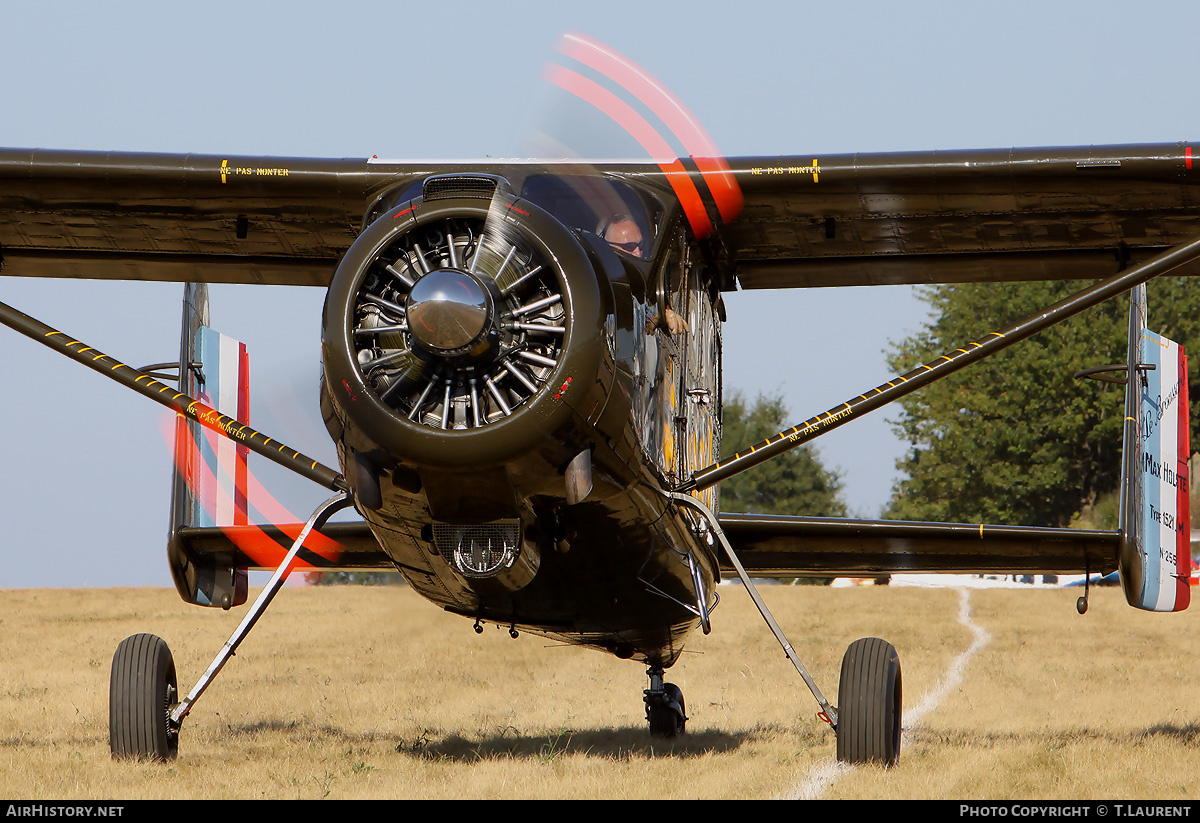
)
(478, 550)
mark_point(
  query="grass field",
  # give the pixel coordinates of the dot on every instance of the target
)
(365, 693)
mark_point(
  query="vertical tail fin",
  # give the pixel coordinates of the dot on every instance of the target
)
(210, 479)
(219, 477)
(1155, 554)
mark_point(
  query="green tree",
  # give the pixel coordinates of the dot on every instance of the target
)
(1014, 438)
(793, 483)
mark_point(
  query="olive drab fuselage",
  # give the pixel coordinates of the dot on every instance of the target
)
(460, 431)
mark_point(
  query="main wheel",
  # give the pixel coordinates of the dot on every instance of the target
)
(869, 695)
(667, 718)
(141, 691)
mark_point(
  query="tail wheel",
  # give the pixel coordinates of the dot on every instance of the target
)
(456, 327)
(142, 690)
(869, 697)
(667, 716)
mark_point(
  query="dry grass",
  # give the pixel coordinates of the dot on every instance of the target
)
(360, 693)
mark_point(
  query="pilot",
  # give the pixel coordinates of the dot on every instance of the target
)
(623, 233)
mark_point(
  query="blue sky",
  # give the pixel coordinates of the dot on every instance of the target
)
(85, 470)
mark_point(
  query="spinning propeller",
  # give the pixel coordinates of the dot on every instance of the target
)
(460, 322)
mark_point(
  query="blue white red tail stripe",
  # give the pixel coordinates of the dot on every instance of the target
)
(226, 388)
(1163, 423)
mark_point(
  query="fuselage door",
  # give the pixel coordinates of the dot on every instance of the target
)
(700, 392)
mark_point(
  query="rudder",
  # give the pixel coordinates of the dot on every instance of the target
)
(1155, 553)
(209, 482)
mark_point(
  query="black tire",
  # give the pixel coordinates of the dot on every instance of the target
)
(869, 703)
(669, 718)
(141, 691)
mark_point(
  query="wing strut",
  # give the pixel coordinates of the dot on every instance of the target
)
(921, 376)
(177, 401)
(828, 713)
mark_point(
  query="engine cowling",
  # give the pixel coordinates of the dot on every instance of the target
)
(455, 330)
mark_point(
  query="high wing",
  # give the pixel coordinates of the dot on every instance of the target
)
(960, 216)
(835, 220)
(100, 215)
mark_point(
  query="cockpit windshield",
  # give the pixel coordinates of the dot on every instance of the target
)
(607, 208)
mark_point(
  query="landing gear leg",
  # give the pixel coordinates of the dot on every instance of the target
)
(664, 705)
(867, 720)
(143, 717)
(828, 713)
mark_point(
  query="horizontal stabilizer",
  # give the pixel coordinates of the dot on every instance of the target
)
(336, 547)
(788, 546)
(769, 546)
